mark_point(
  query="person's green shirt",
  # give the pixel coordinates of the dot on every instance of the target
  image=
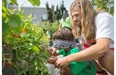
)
(79, 68)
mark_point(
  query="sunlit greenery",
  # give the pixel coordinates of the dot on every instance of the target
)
(104, 5)
(23, 42)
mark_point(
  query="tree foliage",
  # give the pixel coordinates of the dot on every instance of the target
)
(103, 5)
(22, 43)
(55, 14)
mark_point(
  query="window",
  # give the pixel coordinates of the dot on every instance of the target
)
(44, 16)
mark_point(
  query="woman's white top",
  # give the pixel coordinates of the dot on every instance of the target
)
(104, 23)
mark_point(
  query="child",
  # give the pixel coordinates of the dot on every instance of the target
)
(63, 40)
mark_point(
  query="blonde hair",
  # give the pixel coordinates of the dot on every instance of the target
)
(87, 18)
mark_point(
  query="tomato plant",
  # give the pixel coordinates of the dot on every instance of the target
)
(22, 44)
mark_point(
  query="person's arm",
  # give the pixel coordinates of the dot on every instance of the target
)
(98, 50)
(95, 51)
(66, 71)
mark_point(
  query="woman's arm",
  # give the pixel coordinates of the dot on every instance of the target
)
(98, 50)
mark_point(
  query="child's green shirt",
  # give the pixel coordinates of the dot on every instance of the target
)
(79, 68)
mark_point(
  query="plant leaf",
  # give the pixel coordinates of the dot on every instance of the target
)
(35, 49)
(35, 2)
(14, 1)
(14, 20)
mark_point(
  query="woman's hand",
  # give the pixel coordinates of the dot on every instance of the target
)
(62, 62)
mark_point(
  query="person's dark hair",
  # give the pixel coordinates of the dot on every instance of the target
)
(64, 33)
(67, 27)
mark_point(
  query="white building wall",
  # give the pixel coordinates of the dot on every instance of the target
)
(37, 13)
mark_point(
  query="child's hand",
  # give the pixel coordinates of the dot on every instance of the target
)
(52, 51)
(52, 60)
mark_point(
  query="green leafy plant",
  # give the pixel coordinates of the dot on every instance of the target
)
(48, 26)
(55, 15)
(106, 5)
(22, 44)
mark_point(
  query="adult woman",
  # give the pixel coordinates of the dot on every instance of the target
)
(86, 22)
